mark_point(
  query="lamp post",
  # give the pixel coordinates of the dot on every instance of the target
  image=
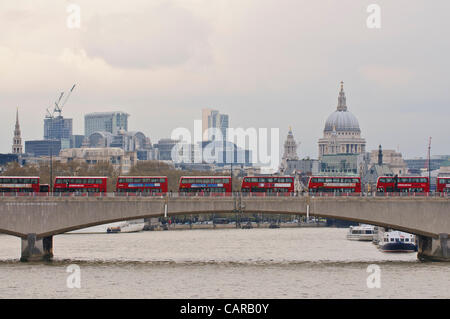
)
(51, 167)
(429, 161)
(231, 175)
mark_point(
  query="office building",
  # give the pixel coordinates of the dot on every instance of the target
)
(43, 147)
(212, 121)
(165, 147)
(111, 122)
(57, 128)
(120, 160)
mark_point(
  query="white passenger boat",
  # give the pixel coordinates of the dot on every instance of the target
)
(360, 233)
(398, 242)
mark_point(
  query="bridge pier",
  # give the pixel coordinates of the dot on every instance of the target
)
(37, 249)
(431, 249)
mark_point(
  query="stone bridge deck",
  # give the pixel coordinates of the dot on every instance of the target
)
(47, 216)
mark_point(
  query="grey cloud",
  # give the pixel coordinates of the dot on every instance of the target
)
(162, 36)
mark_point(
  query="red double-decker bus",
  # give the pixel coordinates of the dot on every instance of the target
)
(443, 185)
(334, 184)
(403, 184)
(79, 184)
(268, 184)
(152, 185)
(19, 184)
(205, 185)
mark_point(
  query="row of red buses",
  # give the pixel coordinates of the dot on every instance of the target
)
(267, 184)
(155, 185)
(205, 184)
(443, 185)
(403, 184)
(334, 184)
(19, 184)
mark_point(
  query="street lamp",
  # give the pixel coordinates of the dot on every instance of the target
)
(51, 167)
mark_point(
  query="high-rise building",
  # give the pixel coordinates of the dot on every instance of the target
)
(17, 140)
(111, 122)
(205, 115)
(76, 141)
(215, 121)
(57, 128)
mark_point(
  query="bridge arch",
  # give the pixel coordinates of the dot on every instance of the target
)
(46, 217)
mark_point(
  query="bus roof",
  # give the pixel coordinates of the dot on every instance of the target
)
(81, 177)
(403, 176)
(19, 177)
(327, 176)
(142, 177)
(264, 176)
(205, 177)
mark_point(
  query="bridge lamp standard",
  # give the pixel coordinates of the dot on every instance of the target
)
(51, 167)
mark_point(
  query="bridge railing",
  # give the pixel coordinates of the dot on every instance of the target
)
(226, 195)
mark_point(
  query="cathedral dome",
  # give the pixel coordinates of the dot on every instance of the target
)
(342, 120)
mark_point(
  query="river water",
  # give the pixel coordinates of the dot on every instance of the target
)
(228, 263)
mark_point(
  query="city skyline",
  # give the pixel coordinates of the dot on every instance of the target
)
(395, 76)
(211, 110)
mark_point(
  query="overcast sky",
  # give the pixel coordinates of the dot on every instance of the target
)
(267, 64)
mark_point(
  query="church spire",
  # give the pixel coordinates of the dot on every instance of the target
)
(342, 103)
(17, 140)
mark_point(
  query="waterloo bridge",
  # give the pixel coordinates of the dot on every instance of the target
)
(36, 219)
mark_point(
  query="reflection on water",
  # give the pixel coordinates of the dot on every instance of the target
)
(257, 263)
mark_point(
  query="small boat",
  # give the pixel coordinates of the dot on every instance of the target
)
(361, 233)
(128, 227)
(112, 230)
(100, 229)
(398, 242)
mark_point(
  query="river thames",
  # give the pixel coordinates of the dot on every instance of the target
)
(228, 263)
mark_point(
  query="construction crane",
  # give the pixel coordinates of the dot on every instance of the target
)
(58, 105)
